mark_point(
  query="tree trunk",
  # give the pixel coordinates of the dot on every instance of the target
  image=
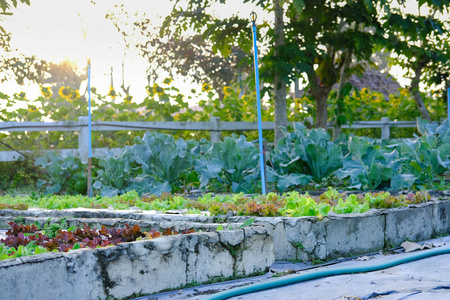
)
(280, 86)
(339, 97)
(414, 89)
(320, 95)
(297, 88)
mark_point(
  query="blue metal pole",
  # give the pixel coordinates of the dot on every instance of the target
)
(448, 104)
(89, 135)
(258, 101)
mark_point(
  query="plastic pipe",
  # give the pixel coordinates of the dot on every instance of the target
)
(258, 101)
(325, 273)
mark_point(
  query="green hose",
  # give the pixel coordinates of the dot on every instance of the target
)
(325, 273)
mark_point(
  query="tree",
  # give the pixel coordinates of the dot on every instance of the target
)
(194, 58)
(420, 45)
(323, 41)
(5, 5)
(62, 74)
(18, 66)
(313, 42)
(279, 81)
(187, 55)
(322, 38)
(13, 64)
(226, 35)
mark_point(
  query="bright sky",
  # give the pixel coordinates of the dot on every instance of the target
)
(77, 30)
(55, 30)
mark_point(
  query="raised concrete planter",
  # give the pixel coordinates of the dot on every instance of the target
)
(304, 238)
(351, 234)
(138, 268)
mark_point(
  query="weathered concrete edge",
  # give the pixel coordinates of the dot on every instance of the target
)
(111, 214)
(138, 268)
(335, 236)
(116, 222)
(307, 238)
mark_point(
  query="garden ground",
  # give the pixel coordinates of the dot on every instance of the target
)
(418, 222)
(421, 279)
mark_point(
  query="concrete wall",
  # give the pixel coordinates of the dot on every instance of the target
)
(138, 268)
(304, 238)
(351, 234)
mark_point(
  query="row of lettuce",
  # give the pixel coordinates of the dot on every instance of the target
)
(24, 240)
(291, 204)
(158, 163)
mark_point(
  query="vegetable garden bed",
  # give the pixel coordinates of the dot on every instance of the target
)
(290, 226)
(314, 237)
(138, 268)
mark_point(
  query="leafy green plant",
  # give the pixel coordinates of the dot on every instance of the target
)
(51, 230)
(270, 205)
(303, 205)
(423, 159)
(116, 173)
(18, 174)
(165, 204)
(166, 163)
(24, 240)
(64, 174)
(368, 166)
(232, 162)
(17, 206)
(303, 154)
(428, 156)
(384, 200)
(11, 252)
(352, 204)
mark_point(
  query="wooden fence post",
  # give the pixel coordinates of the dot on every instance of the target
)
(215, 129)
(386, 129)
(83, 140)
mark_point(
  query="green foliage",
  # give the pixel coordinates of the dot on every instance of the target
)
(11, 252)
(25, 237)
(233, 162)
(441, 132)
(422, 37)
(307, 152)
(116, 173)
(16, 174)
(166, 164)
(163, 103)
(159, 163)
(292, 204)
(368, 166)
(427, 156)
(352, 204)
(5, 5)
(287, 181)
(367, 105)
(303, 205)
(64, 174)
(247, 223)
(51, 229)
(165, 203)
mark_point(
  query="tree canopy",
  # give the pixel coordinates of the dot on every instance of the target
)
(319, 36)
(12, 63)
